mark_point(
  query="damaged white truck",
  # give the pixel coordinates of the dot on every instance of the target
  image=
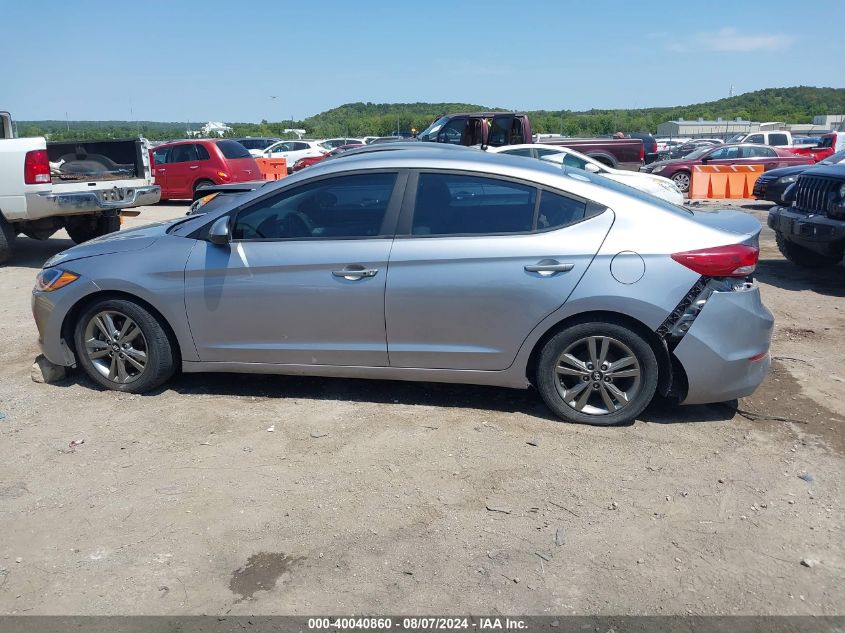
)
(79, 186)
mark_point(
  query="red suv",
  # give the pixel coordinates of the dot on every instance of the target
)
(182, 166)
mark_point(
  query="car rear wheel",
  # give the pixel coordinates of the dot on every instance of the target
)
(804, 257)
(681, 179)
(123, 347)
(598, 373)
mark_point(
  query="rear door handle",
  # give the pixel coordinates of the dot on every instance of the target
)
(194, 167)
(549, 267)
(355, 273)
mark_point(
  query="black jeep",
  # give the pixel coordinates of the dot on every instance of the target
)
(811, 232)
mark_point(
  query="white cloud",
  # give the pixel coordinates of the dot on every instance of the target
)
(730, 40)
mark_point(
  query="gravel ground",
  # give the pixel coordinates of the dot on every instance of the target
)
(274, 495)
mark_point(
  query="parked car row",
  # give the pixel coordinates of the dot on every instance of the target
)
(680, 169)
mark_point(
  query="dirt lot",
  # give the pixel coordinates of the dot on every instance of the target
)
(276, 495)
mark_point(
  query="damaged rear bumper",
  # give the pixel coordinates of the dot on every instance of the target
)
(725, 351)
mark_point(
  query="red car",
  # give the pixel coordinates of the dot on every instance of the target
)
(302, 163)
(831, 143)
(182, 166)
(679, 169)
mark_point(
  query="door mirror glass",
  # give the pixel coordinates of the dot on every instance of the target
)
(219, 233)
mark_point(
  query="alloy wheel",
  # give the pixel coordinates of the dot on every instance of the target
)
(682, 180)
(597, 375)
(116, 346)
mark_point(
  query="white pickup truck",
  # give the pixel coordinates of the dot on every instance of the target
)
(76, 185)
(778, 138)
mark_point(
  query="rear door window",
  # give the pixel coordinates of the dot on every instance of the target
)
(557, 211)
(778, 139)
(758, 152)
(183, 153)
(459, 204)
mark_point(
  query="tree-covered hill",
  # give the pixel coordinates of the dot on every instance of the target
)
(792, 105)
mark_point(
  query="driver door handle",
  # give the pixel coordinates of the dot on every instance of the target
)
(549, 267)
(355, 273)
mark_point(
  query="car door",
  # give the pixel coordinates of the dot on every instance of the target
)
(159, 169)
(182, 166)
(302, 281)
(766, 156)
(477, 263)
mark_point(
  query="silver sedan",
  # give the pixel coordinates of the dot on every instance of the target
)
(431, 265)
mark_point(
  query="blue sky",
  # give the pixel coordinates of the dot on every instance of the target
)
(208, 60)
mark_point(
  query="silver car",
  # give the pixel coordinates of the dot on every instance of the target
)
(448, 266)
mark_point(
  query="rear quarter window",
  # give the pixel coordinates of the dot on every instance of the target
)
(232, 149)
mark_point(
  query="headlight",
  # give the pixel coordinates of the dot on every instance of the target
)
(787, 179)
(50, 279)
(657, 170)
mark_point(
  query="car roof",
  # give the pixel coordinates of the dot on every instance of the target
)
(484, 114)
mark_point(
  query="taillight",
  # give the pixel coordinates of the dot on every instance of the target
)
(222, 175)
(36, 167)
(654, 148)
(736, 260)
(642, 152)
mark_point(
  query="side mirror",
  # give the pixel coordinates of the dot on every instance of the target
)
(705, 159)
(219, 233)
(593, 169)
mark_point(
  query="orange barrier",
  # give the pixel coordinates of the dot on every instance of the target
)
(723, 181)
(272, 168)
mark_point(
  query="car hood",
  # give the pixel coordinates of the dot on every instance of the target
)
(667, 163)
(774, 174)
(731, 221)
(118, 242)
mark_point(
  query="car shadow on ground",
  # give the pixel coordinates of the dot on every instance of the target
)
(786, 275)
(480, 398)
(30, 253)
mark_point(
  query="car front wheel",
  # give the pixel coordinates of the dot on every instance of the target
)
(681, 179)
(123, 347)
(598, 373)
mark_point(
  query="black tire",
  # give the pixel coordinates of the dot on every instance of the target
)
(804, 257)
(160, 363)
(84, 228)
(7, 239)
(552, 386)
(197, 185)
(682, 180)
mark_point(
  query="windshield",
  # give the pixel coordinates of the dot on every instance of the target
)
(834, 159)
(698, 153)
(571, 160)
(430, 133)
